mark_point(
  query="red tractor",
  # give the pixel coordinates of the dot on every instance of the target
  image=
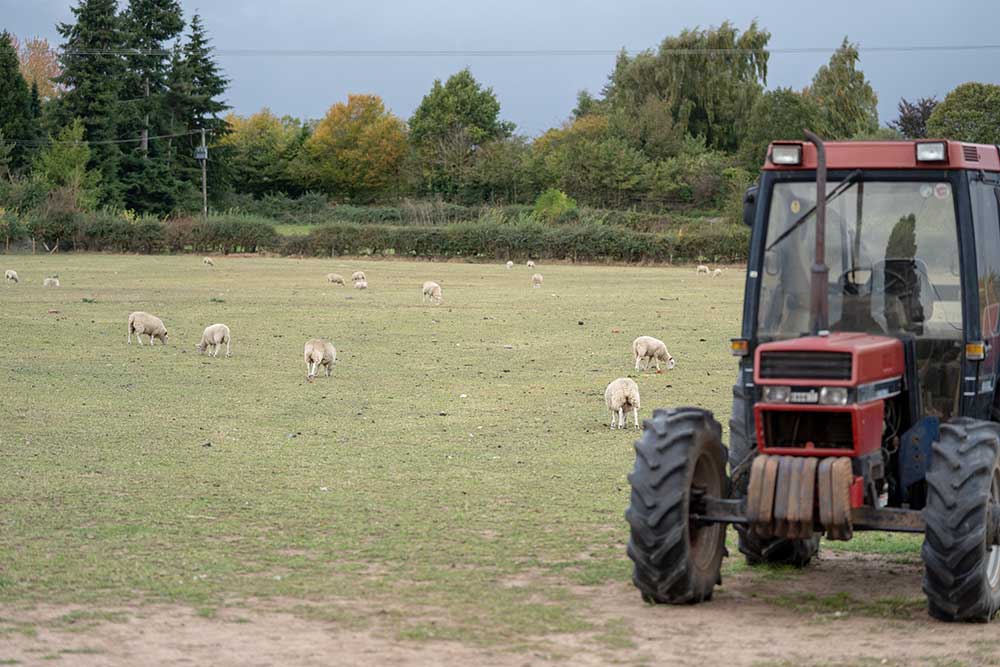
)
(867, 395)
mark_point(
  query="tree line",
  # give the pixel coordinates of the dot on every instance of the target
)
(111, 118)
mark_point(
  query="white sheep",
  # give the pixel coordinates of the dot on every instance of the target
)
(510, 264)
(646, 349)
(212, 339)
(431, 290)
(358, 275)
(536, 280)
(702, 269)
(140, 323)
(50, 282)
(717, 273)
(531, 264)
(335, 278)
(10, 276)
(361, 284)
(207, 261)
(319, 352)
(622, 395)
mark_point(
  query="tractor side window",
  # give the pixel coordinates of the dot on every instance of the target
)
(986, 220)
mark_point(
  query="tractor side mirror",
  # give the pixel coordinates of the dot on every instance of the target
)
(749, 205)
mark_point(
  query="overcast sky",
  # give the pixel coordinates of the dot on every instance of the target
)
(539, 92)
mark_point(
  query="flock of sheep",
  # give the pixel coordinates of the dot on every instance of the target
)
(621, 395)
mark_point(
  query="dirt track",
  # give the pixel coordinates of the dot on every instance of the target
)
(845, 610)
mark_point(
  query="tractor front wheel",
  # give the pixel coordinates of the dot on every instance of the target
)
(679, 460)
(961, 559)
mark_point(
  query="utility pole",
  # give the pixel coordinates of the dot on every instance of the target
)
(202, 154)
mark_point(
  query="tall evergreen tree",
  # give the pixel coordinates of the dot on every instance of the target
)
(92, 72)
(16, 119)
(850, 105)
(148, 181)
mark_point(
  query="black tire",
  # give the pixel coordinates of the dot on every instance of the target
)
(742, 451)
(674, 561)
(961, 571)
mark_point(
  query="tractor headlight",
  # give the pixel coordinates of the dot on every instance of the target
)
(777, 394)
(787, 154)
(932, 151)
(833, 396)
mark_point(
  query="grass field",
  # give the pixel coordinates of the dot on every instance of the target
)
(456, 476)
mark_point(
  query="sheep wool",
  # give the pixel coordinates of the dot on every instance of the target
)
(10, 276)
(207, 261)
(212, 339)
(620, 396)
(361, 284)
(531, 264)
(716, 273)
(50, 282)
(432, 291)
(319, 352)
(536, 280)
(510, 265)
(646, 349)
(140, 323)
(335, 278)
(702, 269)
(358, 275)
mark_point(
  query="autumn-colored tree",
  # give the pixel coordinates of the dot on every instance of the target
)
(39, 64)
(849, 103)
(355, 151)
(258, 151)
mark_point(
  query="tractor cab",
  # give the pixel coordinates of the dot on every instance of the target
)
(866, 393)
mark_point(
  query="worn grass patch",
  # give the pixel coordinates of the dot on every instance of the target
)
(842, 605)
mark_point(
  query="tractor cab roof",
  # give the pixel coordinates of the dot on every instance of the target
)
(884, 155)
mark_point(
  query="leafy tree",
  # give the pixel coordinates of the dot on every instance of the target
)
(971, 112)
(39, 64)
(649, 128)
(552, 205)
(92, 73)
(16, 117)
(849, 103)
(779, 114)
(912, 121)
(6, 151)
(708, 80)
(258, 151)
(501, 172)
(461, 104)
(587, 104)
(62, 163)
(355, 150)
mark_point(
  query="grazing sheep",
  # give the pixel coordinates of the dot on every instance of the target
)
(10, 276)
(536, 280)
(531, 264)
(212, 339)
(207, 261)
(621, 395)
(717, 273)
(319, 352)
(50, 282)
(431, 290)
(358, 275)
(702, 269)
(646, 349)
(143, 323)
(510, 264)
(361, 284)
(335, 278)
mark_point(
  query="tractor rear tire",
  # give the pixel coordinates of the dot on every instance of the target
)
(961, 568)
(676, 561)
(742, 451)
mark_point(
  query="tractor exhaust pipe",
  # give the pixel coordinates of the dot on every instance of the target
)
(819, 310)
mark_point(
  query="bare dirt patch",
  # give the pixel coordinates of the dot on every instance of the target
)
(833, 614)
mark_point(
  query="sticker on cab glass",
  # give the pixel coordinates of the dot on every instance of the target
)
(796, 206)
(926, 190)
(942, 190)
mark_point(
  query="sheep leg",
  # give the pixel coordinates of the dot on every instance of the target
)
(130, 334)
(657, 364)
(621, 418)
(612, 420)
(638, 361)
(229, 352)
(329, 370)
(138, 337)
(635, 416)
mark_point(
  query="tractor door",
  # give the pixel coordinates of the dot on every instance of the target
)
(984, 192)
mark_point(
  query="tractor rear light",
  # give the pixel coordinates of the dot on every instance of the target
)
(833, 396)
(975, 351)
(932, 151)
(777, 394)
(786, 154)
(740, 347)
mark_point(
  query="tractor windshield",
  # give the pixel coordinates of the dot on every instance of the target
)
(892, 251)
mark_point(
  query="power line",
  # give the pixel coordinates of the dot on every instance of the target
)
(506, 53)
(49, 142)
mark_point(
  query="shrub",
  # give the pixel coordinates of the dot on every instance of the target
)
(555, 206)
